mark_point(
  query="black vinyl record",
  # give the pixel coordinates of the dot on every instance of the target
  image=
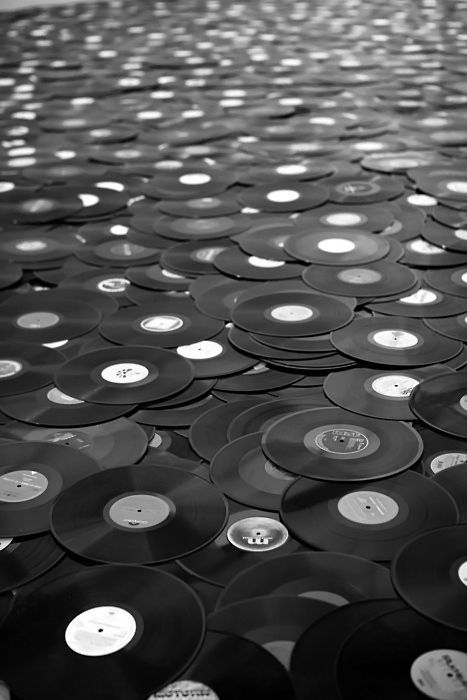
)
(274, 622)
(208, 433)
(258, 418)
(290, 196)
(335, 216)
(454, 481)
(265, 238)
(166, 322)
(395, 341)
(373, 521)
(199, 207)
(32, 475)
(441, 402)
(441, 451)
(291, 313)
(421, 253)
(236, 263)
(118, 254)
(26, 207)
(132, 515)
(338, 579)
(188, 182)
(451, 281)
(424, 303)
(113, 444)
(51, 407)
(108, 282)
(378, 394)
(377, 279)
(194, 257)
(430, 575)
(104, 626)
(215, 357)
(45, 318)
(336, 445)
(242, 472)
(454, 327)
(177, 228)
(260, 378)
(403, 655)
(454, 239)
(363, 189)
(306, 344)
(317, 650)
(341, 247)
(155, 277)
(28, 247)
(219, 304)
(123, 375)
(231, 667)
(23, 559)
(176, 416)
(250, 536)
(25, 367)
(257, 346)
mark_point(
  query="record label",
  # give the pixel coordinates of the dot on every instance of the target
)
(257, 534)
(39, 319)
(264, 262)
(462, 573)
(342, 441)
(289, 313)
(368, 507)
(446, 460)
(204, 350)
(22, 485)
(357, 275)
(5, 542)
(394, 385)
(394, 339)
(336, 245)
(441, 674)
(139, 511)
(59, 397)
(100, 631)
(113, 285)
(161, 324)
(124, 373)
(8, 368)
(422, 296)
(186, 689)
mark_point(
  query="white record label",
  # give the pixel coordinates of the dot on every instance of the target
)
(100, 631)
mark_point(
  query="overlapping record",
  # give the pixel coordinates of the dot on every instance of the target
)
(338, 579)
(25, 366)
(291, 313)
(104, 625)
(377, 279)
(24, 559)
(138, 515)
(441, 402)
(32, 475)
(454, 481)
(373, 520)
(336, 445)
(284, 197)
(124, 375)
(341, 247)
(424, 303)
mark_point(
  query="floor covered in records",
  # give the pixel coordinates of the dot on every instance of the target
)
(233, 327)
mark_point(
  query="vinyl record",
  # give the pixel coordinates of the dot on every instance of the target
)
(424, 303)
(421, 253)
(338, 579)
(215, 357)
(335, 216)
(256, 345)
(274, 622)
(290, 196)
(316, 363)
(118, 254)
(28, 247)
(155, 278)
(430, 575)
(123, 375)
(242, 472)
(177, 228)
(454, 239)
(132, 515)
(454, 327)
(49, 406)
(195, 257)
(376, 394)
(104, 625)
(25, 367)
(450, 217)
(317, 650)
(260, 417)
(166, 443)
(45, 318)
(236, 263)
(176, 416)
(454, 481)
(425, 659)
(113, 444)
(306, 344)
(378, 279)
(165, 323)
(199, 207)
(188, 183)
(363, 189)
(265, 238)
(23, 559)
(260, 378)
(32, 475)
(373, 522)
(441, 452)
(291, 313)
(208, 433)
(451, 281)
(394, 341)
(441, 402)
(26, 207)
(336, 445)
(306, 170)
(250, 536)
(108, 282)
(230, 667)
(219, 304)
(340, 247)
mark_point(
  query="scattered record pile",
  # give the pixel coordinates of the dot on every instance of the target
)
(233, 362)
